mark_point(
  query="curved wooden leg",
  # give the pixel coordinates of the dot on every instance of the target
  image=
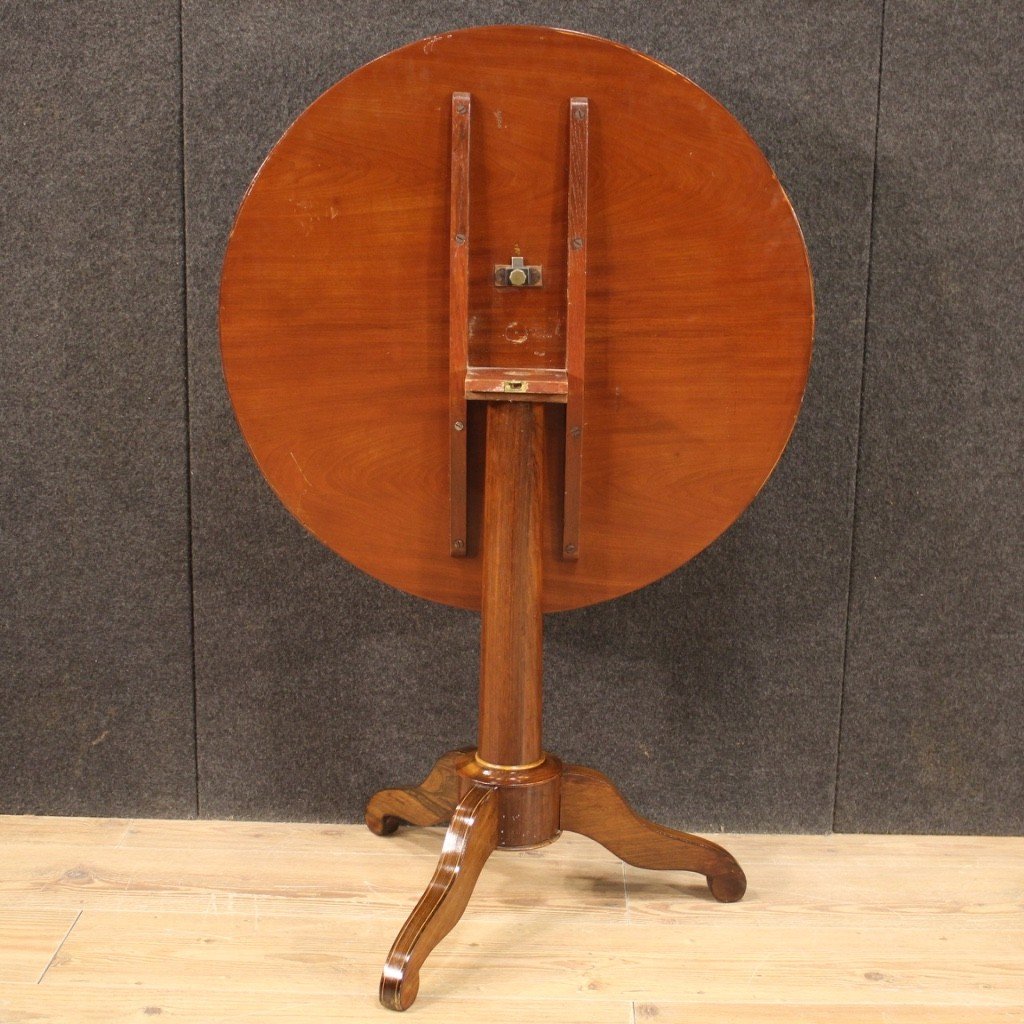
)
(471, 838)
(592, 806)
(429, 803)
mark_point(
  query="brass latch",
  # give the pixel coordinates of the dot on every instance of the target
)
(517, 275)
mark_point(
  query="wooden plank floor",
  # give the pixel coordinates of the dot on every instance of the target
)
(107, 921)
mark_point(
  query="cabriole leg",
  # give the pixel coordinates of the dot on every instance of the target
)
(470, 840)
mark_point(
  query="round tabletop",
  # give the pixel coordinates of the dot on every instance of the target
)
(334, 310)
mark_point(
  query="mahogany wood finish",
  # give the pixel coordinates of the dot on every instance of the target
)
(429, 803)
(511, 630)
(471, 838)
(367, 347)
(458, 316)
(532, 797)
(530, 800)
(575, 321)
(533, 385)
(592, 806)
(338, 285)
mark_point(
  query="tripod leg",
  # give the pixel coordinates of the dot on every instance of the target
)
(592, 806)
(470, 840)
(429, 803)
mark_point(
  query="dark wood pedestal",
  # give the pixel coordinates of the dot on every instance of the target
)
(507, 792)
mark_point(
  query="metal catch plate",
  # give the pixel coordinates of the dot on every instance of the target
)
(517, 274)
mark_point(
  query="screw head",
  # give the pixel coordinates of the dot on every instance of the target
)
(576, 431)
(459, 545)
(460, 239)
(570, 549)
(577, 242)
(461, 108)
(459, 425)
(579, 113)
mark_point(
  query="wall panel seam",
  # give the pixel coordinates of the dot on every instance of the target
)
(190, 522)
(860, 420)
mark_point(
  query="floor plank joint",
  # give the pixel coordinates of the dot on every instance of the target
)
(60, 946)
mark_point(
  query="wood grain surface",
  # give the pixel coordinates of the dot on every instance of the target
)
(512, 628)
(429, 803)
(112, 921)
(592, 806)
(335, 307)
(469, 841)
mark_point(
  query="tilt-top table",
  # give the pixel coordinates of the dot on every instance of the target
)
(516, 319)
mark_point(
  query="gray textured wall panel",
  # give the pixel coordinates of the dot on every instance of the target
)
(97, 688)
(712, 697)
(933, 711)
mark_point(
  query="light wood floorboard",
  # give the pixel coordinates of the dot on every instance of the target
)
(29, 939)
(115, 921)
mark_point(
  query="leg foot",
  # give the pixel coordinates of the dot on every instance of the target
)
(430, 803)
(592, 806)
(471, 838)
